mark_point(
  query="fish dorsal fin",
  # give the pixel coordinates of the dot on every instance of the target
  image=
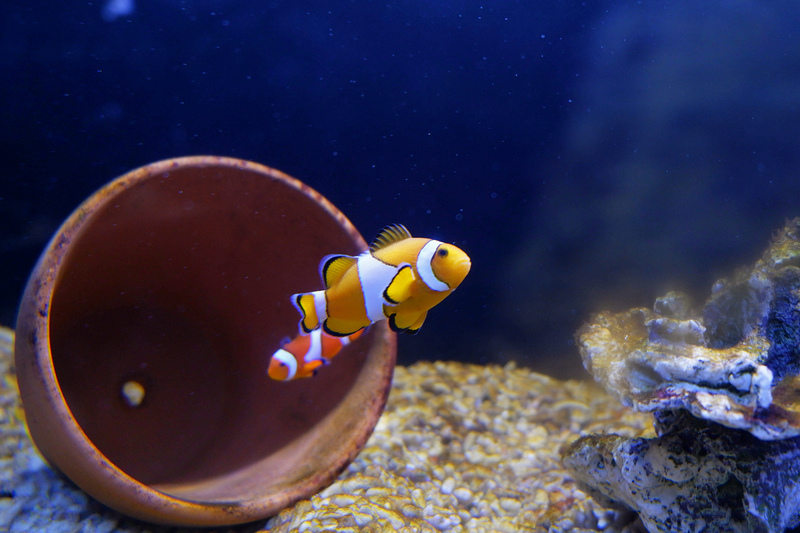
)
(389, 235)
(333, 267)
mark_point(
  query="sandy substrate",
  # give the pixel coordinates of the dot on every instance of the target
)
(459, 448)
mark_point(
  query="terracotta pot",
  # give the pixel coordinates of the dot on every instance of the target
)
(145, 333)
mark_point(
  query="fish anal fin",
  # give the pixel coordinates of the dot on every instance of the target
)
(333, 267)
(399, 289)
(388, 235)
(340, 328)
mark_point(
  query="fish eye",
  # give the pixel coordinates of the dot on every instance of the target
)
(442, 252)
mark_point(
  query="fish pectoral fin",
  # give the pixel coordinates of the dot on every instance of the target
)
(333, 267)
(309, 369)
(325, 362)
(399, 289)
(340, 328)
(407, 322)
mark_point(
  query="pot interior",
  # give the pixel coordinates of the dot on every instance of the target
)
(172, 295)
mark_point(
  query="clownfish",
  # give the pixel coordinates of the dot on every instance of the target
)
(399, 278)
(302, 356)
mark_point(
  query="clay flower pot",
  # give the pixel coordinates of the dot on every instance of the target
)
(145, 332)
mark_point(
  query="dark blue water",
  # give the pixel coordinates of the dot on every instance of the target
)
(587, 155)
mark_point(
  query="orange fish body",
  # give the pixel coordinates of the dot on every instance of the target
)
(302, 356)
(399, 278)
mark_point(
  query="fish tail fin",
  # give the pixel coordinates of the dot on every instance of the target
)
(307, 306)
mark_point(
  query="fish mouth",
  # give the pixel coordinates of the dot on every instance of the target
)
(461, 269)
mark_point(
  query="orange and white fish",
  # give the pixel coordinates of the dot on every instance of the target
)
(400, 278)
(302, 356)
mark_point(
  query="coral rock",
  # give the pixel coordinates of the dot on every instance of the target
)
(698, 476)
(734, 361)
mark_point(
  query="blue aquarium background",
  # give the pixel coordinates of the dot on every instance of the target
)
(587, 155)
